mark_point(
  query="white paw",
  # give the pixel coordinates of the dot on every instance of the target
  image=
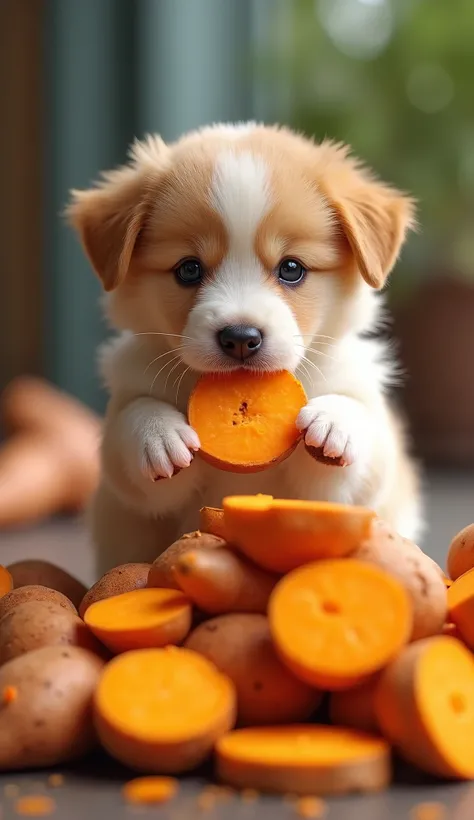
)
(338, 426)
(167, 448)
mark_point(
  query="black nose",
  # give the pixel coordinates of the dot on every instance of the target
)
(240, 341)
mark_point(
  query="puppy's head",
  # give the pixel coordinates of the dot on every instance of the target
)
(241, 244)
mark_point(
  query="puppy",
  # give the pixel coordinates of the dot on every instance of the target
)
(242, 246)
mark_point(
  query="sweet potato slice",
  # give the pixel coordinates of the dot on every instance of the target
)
(211, 520)
(246, 421)
(461, 606)
(162, 710)
(139, 619)
(281, 535)
(425, 706)
(335, 623)
(303, 759)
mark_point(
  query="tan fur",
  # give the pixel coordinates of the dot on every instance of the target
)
(321, 207)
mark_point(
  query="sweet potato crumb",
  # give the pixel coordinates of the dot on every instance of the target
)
(249, 795)
(35, 805)
(309, 807)
(55, 780)
(206, 799)
(428, 811)
(11, 790)
(146, 790)
(9, 695)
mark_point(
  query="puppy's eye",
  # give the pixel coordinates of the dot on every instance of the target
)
(189, 272)
(291, 271)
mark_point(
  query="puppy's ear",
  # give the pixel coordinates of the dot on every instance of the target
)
(373, 217)
(110, 216)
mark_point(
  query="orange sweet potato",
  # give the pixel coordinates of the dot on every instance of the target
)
(162, 710)
(461, 553)
(304, 760)
(356, 707)
(461, 606)
(123, 578)
(335, 623)
(241, 647)
(140, 618)
(425, 706)
(417, 572)
(246, 421)
(162, 570)
(220, 581)
(211, 520)
(280, 535)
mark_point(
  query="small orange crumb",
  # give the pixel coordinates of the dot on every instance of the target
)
(207, 799)
(428, 811)
(9, 694)
(35, 805)
(447, 582)
(309, 807)
(249, 795)
(55, 780)
(150, 789)
(11, 790)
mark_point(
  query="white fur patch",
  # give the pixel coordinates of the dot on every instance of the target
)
(240, 194)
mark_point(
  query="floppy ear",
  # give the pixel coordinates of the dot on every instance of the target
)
(110, 216)
(373, 217)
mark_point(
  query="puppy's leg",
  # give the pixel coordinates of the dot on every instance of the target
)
(340, 427)
(122, 535)
(145, 444)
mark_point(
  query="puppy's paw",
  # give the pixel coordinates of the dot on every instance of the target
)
(337, 427)
(167, 449)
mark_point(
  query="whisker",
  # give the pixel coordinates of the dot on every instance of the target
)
(166, 353)
(161, 370)
(306, 373)
(308, 361)
(172, 371)
(318, 352)
(156, 333)
(179, 382)
(315, 336)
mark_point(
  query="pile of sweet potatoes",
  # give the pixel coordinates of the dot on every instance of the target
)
(236, 642)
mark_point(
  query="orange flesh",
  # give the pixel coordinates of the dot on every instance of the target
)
(280, 534)
(211, 519)
(300, 745)
(444, 691)
(162, 695)
(336, 622)
(6, 582)
(154, 789)
(461, 606)
(245, 419)
(137, 613)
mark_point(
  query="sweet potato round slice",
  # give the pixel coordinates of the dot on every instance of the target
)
(246, 421)
(303, 759)
(334, 623)
(139, 619)
(425, 706)
(162, 710)
(281, 535)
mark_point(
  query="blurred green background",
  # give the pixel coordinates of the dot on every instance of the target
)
(393, 78)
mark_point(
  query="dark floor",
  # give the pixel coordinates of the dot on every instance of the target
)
(93, 791)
